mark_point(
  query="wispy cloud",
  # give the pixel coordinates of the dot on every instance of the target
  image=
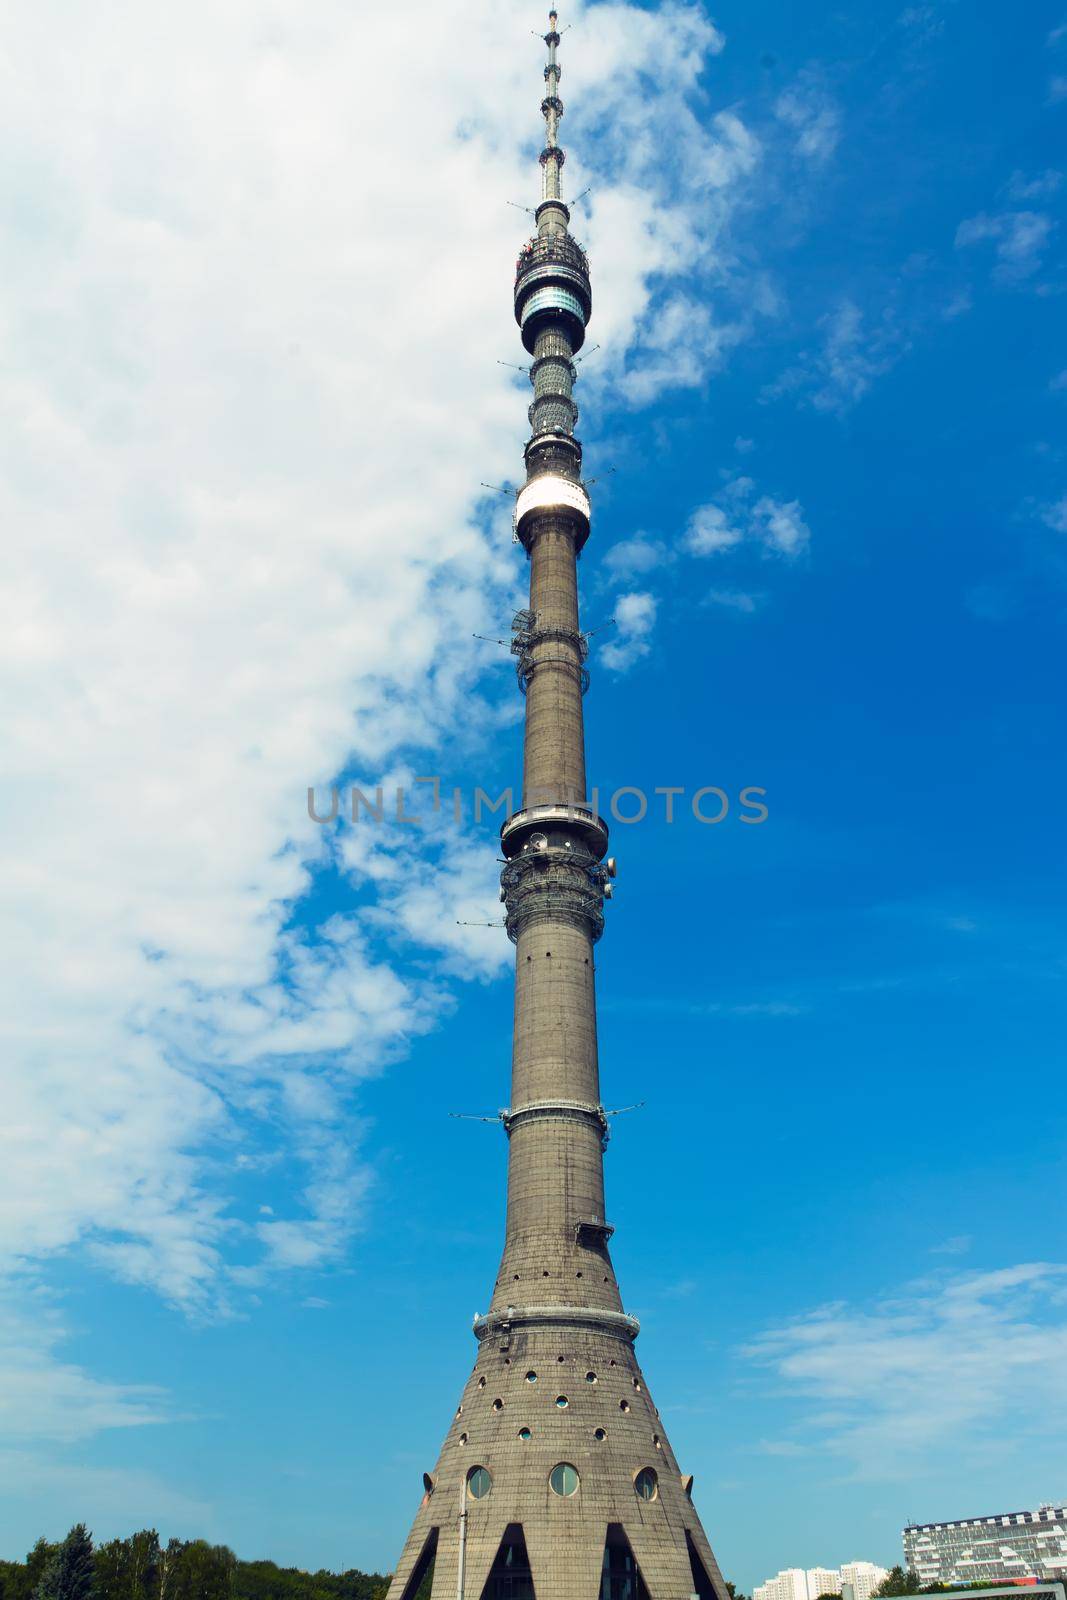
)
(1039, 187)
(1019, 238)
(44, 1397)
(939, 1370)
(735, 600)
(852, 355)
(958, 1245)
(814, 118)
(1055, 515)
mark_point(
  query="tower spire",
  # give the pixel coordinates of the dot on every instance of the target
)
(556, 1480)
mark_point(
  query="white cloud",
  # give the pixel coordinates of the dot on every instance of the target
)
(777, 525)
(852, 358)
(735, 600)
(781, 526)
(632, 556)
(1020, 238)
(712, 529)
(814, 118)
(245, 411)
(935, 1373)
(1055, 516)
(958, 1245)
(635, 617)
(43, 1397)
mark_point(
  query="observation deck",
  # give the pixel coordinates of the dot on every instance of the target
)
(552, 286)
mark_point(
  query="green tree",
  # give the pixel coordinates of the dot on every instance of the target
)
(127, 1569)
(898, 1582)
(69, 1574)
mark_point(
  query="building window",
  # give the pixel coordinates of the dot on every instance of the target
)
(524, 1434)
(479, 1483)
(562, 1402)
(563, 1479)
(590, 1377)
(646, 1484)
(531, 1377)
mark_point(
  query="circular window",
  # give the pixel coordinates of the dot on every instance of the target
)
(562, 1402)
(564, 1479)
(463, 1438)
(590, 1377)
(481, 1383)
(656, 1441)
(646, 1484)
(531, 1377)
(498, 1405)
(637, 1385)
(624, 1405)
(479, 1483)
(599, 1435)
(524, 1434)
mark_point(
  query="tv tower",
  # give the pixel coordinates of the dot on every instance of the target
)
(556, 1480)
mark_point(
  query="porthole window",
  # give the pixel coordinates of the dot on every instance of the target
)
(599, 1435)
(498, 1405)
(463, 1438)
(563, 1479)
(637, 1384)
(624, 1405)
(646, 1484)
(531, 1377)
(562, 1402)
(479, 1483)
(590, 1377)
(524, 1434)
(561, 1358)
(481, 1383)
(656, 1441)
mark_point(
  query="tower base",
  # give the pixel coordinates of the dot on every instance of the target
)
(557, 1463)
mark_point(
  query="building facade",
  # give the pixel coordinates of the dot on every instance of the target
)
(859, 1579)
(853, 1580)
(556, 1480)
(1011, 1545)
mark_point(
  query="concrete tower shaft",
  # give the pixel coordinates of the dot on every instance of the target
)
(556, 1480)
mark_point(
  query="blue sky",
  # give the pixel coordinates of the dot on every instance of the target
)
(252, 394)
